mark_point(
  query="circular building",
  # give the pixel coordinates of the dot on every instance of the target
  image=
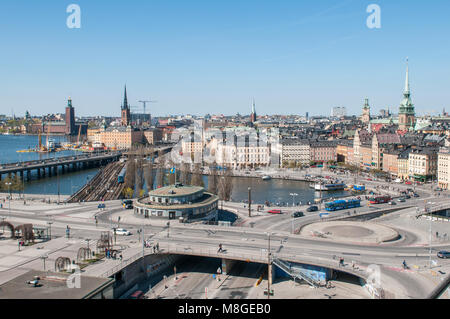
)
(178, 201)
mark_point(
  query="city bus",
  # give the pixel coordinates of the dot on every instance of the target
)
(342, 204)
(380, 200)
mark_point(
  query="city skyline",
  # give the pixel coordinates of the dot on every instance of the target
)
(291, 57)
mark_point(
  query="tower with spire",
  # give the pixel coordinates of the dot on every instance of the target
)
(406, 114)
(366, 112)
(126, 113)
(253, 115)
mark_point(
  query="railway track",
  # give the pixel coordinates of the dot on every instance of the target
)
(104, 186)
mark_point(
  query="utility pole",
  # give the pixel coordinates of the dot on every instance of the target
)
(249, 202)
(268, 268)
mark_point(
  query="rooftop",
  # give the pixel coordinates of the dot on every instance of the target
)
(54, 286)
(176, 191)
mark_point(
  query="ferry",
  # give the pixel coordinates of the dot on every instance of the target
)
(328, 187)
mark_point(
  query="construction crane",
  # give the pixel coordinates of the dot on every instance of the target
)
(79, 133)
(145, 104)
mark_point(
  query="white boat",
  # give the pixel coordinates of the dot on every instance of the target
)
(266, 178)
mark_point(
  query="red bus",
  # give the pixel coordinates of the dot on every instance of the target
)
(380, 200)
(275, 211)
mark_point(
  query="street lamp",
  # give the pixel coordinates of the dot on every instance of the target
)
(293, 198)
(269, 265)
(249, 202)
(43, 259)
(168, 228)
(50, 228)
(9, 202)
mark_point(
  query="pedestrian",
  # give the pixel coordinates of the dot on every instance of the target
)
(121, 257)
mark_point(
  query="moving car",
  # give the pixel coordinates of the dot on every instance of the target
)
(123, 232)
(408, 183)
(392, 203)
(416, 195)
(401, 200)
(275, 211)
(312, 209)
(298, 214)
(443, 254)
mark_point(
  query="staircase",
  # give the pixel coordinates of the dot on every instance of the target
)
(296, 273)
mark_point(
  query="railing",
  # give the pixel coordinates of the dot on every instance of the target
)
(122, 265)
(297, 273)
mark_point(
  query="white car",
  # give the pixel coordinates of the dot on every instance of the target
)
(122, 232)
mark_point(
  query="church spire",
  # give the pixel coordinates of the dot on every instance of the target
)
(125, 99)
(407, 90)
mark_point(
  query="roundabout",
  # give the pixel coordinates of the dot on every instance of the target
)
(351, 232)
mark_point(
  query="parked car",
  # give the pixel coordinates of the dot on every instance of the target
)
(401, 200)
(137, 295)
(443, 254)
(416, 195)
(407, 196)
(392, 203)
(298, 214)
(408, 183)
(101, 206)
(123, 232)
(312, 209)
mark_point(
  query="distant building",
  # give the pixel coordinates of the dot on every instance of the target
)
(366, 112)
(253, 118)
(338, 112)
(126, 112)
(444, 168)
(406, 115)
(295, 152)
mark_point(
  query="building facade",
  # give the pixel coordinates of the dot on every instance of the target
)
(444, 168)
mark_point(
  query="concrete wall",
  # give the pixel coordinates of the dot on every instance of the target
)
(133, 274)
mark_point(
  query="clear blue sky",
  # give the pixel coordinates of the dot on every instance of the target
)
(198, 57)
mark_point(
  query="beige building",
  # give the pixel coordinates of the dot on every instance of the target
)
(444, 168)
(422, 164)
(121, 137)
(243, 155)
(295, 152)
(152, 136)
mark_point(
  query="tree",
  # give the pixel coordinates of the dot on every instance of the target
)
(139, 176)
(161, 170)
(128, 192)
(225, 184)
(130, 176)
(185, 176)
(197, 177)
(213, 179)
(149, 176)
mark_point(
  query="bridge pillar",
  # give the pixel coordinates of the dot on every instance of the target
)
(28, 175)
(0, 177)
(49, 171)
(39, 173)
(227, 264)
(270, 274)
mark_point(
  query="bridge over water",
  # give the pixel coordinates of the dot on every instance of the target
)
(51, 166)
